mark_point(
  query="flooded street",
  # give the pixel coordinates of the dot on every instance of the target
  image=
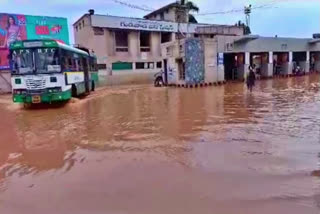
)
(152, 150)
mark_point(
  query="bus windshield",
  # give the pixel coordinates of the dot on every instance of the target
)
(22, 61)
(35, 60)
(47, 60)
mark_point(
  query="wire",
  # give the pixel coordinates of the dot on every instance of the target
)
(146, 8)
(264, 6)
(133, 6)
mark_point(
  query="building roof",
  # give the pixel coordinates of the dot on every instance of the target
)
(313, 41)
(246, 38)
(220, 29)
(84, 15)
(162, 9)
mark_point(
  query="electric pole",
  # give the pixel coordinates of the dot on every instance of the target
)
(247, 12)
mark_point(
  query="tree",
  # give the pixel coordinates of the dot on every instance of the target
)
(192, 19)
(246, 29)
(191, 7)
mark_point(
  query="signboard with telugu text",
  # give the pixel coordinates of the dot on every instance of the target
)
(105, 21)
(133, 24)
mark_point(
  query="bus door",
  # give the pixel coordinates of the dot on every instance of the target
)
(86, 74)
(165, 66)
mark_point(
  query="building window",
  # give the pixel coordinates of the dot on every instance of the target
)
(284, 46)
(98, 31)
(145, 38)
(102, 66)
(181, 48)
(229, 46)
(180, 36)
(144, 65)
(166, 37)
(122, 42)
(181, 68)
(118, 66)
(83, 23)
(77, 28)
(140, 65)
(161, 16)
(159, 64)
(80, 26)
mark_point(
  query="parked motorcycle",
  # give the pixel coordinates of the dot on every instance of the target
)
(298, 71)
(159, 79)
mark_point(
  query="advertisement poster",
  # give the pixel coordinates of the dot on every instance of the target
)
(15, 27)
(12, 28)
(42, 27)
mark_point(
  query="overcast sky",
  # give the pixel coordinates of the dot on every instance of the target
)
(289, 18)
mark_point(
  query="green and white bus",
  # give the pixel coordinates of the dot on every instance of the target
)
(46, 71)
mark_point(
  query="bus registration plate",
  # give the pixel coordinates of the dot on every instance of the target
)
(36, 99)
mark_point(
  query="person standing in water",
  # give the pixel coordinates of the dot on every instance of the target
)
(251, 78)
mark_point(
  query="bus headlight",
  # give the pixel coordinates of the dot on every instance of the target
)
(19, 91)
(54, 90)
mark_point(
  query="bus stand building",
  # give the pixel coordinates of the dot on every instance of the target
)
(132, 50)
(227, 58)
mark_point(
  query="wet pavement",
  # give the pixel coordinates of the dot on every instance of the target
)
(164, 150)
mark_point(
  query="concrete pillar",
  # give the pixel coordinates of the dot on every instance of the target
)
(308, 56)
(270, 57)
(246, 65)
(155, 44)
(307, 63)
(317, 62)
(210, 61)
(173, 37)
(290, 57)
(247, 58)
(267, 68)
(288, 66)
(220, 67)
(270, 65)
(134, 46)
(110, 42)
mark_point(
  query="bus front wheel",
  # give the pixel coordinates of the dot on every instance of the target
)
(93, 87)
(74, 91)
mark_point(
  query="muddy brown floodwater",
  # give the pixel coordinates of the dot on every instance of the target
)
(150, 150)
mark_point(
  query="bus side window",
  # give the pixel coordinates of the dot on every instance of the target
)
(64, 60)
(71, 64)
(90, 64)
(65, 64)
(75, 66)
(85, 63)
(93, 65)
(80, 64)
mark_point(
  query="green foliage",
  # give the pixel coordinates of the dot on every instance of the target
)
(192, 7)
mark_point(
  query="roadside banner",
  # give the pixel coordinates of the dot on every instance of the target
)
(15, 27)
